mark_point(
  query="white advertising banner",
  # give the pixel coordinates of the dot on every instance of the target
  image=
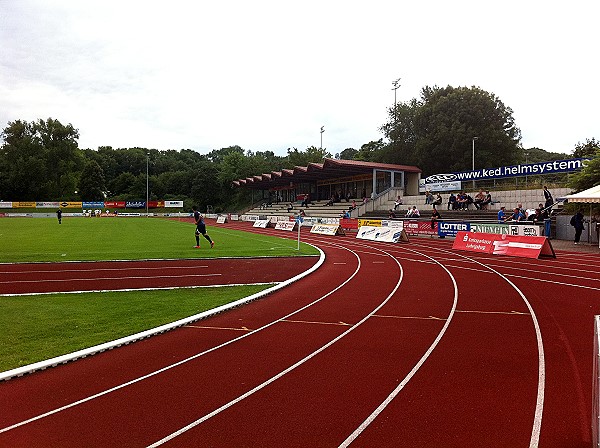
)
(221, 219)
(175, 204)
(285, 225)
(327, 229)
(388, 235)
(262, 223)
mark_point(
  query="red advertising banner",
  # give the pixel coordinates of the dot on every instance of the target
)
(420, 228)
(511, 245)
(349, 224)
(114, 204)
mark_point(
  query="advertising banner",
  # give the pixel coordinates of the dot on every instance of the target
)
(528, 169)
(285, 225)
(439, 186)
(394, 224)
(452, 228)
(349, 224)
(135, 204)
(221, 219)
(510, 245)
(93, 204)
(385, 234)
(4, 204)
(23, 204)
(47, 204)
(173, 204)
(67, 204)
(369, 222)
(156, 204)
(327, 229)
(419, 228)
(507, 229)
(262, 223)
(114, 204)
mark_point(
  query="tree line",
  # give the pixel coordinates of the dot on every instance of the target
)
(41, 160)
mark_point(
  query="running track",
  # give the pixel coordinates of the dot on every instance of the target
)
(409, 345)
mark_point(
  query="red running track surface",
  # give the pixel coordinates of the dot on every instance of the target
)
(385, 345)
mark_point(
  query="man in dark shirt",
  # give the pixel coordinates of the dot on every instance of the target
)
(201, 229)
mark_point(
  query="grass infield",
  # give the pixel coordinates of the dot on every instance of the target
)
(44, 326)
(85, 239)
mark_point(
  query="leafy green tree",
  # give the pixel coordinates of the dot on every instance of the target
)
(39, 160)
(589, 176)
(435, 132)
(311, 155)
(369, 151)
(348, 154)
(92, 184)
(587, 149)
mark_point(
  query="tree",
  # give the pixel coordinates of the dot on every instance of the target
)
(589, 176)
(436, 131)
(311, 155)
(348, 154)
(39, 160)
(587, 149)
(92, 185)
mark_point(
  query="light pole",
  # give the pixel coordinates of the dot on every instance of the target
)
(473, 168)
(396, 85)
(147, 185)
(322, 130)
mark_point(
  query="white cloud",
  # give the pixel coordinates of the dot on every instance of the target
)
(266, 75)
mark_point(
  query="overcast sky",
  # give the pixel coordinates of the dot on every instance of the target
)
(266, 75)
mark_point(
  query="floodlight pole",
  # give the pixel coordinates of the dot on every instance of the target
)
(322, 130)
(473, 168)
(396, 85)
(147, 183)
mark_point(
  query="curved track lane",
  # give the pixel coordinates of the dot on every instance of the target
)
(385, 345)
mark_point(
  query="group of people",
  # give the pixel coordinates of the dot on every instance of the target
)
(462, 200)
(519, 214)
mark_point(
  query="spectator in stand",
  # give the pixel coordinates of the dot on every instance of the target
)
(501, 215)
(290, 207)
(478, 200)
(543, 211)
(353, 204)
(486, 200)
(428, 197)
(435, 215)
(452, 202)
(536, 217)
(391, 214)
(437, 201)
(517, 215)
(413, 212)
(331, 201)
(461, 201)
(397, 202)
(548, 197)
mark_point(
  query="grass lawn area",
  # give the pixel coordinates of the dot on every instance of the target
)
(40, 327)
(43, 239)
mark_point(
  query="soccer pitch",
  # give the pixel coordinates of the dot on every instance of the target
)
(89, 239)
(39, 327)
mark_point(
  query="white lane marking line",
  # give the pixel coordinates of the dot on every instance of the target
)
(183, 361)
(51, 271)
(413, 371)
(110, 278)
(344, 324)
(203, 327)
(166, 288)
(282, 373)
(410, 317)
(508, 313)
(539, 405)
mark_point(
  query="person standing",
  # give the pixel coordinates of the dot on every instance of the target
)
(59, 215)
(201, 229)
(548, 197)
(577, 222)
(501, 215)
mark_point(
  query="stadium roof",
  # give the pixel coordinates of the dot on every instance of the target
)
(329, 169)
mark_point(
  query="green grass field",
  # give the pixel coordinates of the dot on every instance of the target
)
(40, 327)
(43, 239)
